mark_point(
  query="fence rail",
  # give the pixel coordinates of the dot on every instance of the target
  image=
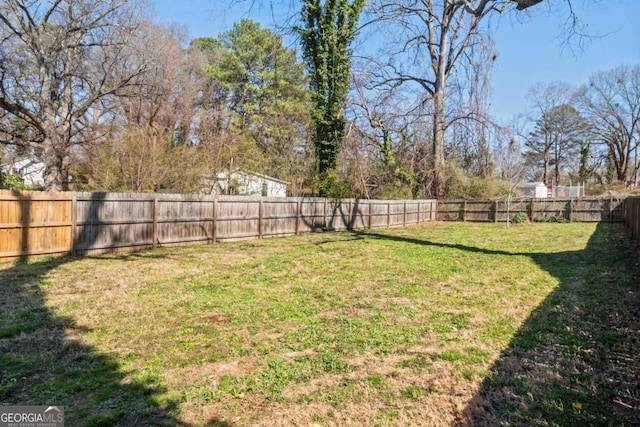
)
(36, 223)
(582, 209)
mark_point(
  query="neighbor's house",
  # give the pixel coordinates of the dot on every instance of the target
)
(534, 189)
(31, 171)
(244, 183)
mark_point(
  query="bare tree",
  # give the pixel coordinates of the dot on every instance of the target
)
(611, 102)
(153, 143)
(438, 36)
(61, 64)
(555, 131)
(511, 167)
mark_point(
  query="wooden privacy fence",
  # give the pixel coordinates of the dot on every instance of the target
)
(34, 223)
(632, 216)
(590, 209)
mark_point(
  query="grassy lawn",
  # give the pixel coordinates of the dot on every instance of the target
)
(443, 324)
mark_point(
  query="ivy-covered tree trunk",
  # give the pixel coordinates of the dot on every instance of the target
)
(328, 29)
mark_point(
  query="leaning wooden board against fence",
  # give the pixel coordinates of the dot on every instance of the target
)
(581, 209)
(35, 223)
(92, 223)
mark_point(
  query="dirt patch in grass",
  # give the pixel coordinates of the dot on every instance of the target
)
(215, 318)
(214, 370)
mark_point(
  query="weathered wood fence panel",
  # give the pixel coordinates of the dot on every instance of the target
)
(312, 214)
(35, 223)
(632, 216)
(582, 209)
(379, 214)
(111, 222)
(279, 217)
(238, 219)
(183, 219)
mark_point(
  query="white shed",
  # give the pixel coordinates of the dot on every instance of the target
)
(534, 189)
(245, 183)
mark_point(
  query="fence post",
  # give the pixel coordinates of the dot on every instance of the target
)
(495, 210)
(298, 208)
(154, 244)
(74, 224)
(464, 211)
(388, 214)
(260, 219)
(404, 214)
(349, 223)
(636, 215)
(325, 214)
(215, 220)
(418, 212)
(570, 211)
(532, 209)
(370, 213)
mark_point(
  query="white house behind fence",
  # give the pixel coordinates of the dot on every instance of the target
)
(31, 171)
(243, 183)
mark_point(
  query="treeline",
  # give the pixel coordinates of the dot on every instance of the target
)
(123, 105)
(108, 100)
(586, 134)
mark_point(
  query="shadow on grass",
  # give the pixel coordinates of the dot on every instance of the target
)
(576, 360)
(43, 363)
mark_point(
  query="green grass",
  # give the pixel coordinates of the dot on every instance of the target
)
(441, 324)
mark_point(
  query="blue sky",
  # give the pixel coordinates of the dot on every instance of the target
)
(531, 48)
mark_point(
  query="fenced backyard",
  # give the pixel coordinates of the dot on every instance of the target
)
(444, 324)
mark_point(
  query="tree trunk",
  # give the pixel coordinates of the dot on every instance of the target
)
(556, 169)
(547, 167)
(439, 178)
(620, 155)
(56, 163)
(622, 168)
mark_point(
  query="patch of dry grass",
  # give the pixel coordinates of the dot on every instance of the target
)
(415, 326)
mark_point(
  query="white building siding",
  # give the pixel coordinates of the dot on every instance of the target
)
(248, 184)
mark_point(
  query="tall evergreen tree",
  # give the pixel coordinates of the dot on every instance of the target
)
(328, 29)
(263, 86)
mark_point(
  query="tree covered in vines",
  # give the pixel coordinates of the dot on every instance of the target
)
(327, 30)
